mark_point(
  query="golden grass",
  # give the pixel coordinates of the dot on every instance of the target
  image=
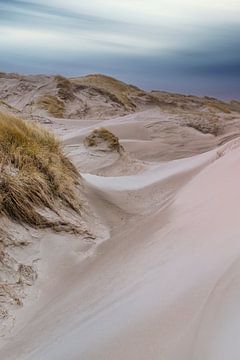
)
(119, 91)
(106, 82)
(102, 134)
(52, 104)
(35, 175)
(219, 106)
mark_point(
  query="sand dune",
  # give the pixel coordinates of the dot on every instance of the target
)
(160, 279)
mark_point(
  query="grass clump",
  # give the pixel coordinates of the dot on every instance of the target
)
(53, 105)
(101, 135)
(65, 88)
(35, 175)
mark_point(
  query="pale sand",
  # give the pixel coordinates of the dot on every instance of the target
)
(161, 280)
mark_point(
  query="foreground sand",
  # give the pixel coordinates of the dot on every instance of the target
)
(161, 280)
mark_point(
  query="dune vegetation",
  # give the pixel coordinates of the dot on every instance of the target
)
(35, 174)
(65, 88)
(219, 106)
(206, 124)
(100, 135)
(52, 104)
(116, 90)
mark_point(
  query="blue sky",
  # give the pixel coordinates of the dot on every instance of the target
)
(182, 46)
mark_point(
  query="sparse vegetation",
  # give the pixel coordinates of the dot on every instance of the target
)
(52, 104)
(65, 88)
(219, 106)
(206, 124)
(35, 174)
(103, 135)
(116, 90)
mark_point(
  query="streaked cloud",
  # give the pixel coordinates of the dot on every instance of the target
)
(176, 45)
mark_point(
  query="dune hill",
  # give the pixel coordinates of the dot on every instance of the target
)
(94, 96)
(39, 188)
(85, 97)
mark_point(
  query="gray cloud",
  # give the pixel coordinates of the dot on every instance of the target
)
(201, 57)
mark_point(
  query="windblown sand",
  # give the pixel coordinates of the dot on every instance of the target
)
(161, 279)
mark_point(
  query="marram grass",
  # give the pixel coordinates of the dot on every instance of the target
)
(103, 134)
(54, 106)
(35, 175)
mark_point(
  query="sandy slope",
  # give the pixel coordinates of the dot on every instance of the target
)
(162, 282)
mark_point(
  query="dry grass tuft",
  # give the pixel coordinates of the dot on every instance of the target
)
(52, 104)
(35, 175)
(103, 135)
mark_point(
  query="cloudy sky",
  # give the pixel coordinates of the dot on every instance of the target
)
(176, 45)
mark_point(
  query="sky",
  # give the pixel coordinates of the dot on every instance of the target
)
(174, 45)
